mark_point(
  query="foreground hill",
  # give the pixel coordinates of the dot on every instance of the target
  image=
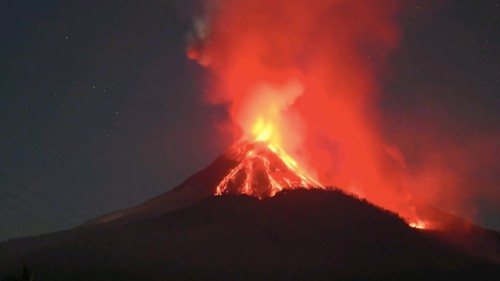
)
(296, 235)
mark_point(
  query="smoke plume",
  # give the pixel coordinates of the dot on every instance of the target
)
(310, 71)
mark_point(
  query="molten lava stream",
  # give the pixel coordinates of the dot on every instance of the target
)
(263, 170)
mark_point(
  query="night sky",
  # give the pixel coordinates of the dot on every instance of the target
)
(101, 109)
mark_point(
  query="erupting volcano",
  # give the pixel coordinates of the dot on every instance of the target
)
(298, 80)
(310, 188)
(264, 167)
(263, 170)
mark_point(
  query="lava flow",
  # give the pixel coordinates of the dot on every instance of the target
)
(264, 168)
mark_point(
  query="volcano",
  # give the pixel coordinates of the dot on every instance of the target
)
(262, 171)
(256, 168)
(253, 214)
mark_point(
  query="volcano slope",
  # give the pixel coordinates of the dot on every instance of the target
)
(315, 234)
(295, 235)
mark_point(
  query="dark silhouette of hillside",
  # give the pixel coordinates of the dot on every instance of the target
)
(190, 234)
(296, 235)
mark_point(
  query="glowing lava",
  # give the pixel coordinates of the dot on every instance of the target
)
(264, 168)
(418, 224)
(302, 77)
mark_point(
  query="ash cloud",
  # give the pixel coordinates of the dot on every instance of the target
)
(337, 51)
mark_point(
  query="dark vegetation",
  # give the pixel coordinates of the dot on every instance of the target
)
(296, 235)
(24, 275)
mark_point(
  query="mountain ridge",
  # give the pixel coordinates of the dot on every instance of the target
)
(295, 233)
(193, 233)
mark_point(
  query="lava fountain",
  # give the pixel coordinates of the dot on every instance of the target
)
(264, 167)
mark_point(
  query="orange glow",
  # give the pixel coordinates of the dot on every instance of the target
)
(418, 224)
(280, 170)
(263, 171)
(301, 77)
(263, 131)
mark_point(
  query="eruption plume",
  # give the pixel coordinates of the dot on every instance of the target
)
(301, 76)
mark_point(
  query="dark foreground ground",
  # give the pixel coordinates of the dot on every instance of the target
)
(297, 235)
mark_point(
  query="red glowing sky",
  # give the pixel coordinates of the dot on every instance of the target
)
(311, 69)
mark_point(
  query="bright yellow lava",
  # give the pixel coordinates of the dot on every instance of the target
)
(418, 224)
(278, 179)
(262, 130)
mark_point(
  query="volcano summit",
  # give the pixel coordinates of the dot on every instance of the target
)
(257, 169)
(263, 170)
